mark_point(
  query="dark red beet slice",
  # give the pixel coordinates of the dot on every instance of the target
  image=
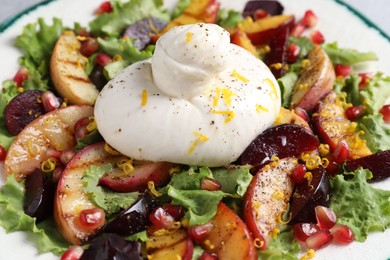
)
(39, 196)
(378, 164)
(112, 246)
(286, 140)
(22, 110)
(134, 219)
(308, 195)
(271, 7)
(276, 59)
(143, 30)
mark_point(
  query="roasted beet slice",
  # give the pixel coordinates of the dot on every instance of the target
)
(271, 7)
(143, 30)
(39, 196)
(112, 246)
(308, 195)
(134, 219)
(286, 140)
(378, 164)
(276, 59)
(22, 110)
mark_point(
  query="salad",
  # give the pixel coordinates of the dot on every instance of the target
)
(302, 182)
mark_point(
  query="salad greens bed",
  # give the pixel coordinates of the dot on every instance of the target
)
(356, 203)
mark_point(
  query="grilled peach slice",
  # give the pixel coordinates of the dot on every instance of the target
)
(230, 237)
(287, 116)
(67, 71)
(315, 82)
(332, 126)
(52, 130)
(267, 198)
(172, 245)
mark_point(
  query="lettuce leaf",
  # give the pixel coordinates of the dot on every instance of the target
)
(282, 247)
(376, 132)
(375, 93)
(347, 56)
(228, 17)
(124, 14)
(111, 202)
(234, 180)
(286, 84)
(13, 218)
(181, 5)
(359, 205)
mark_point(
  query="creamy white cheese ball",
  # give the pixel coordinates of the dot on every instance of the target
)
(198, 101)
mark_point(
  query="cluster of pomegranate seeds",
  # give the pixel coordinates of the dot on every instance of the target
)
(385, 111)
(342, 70)
(199, 233)
(102, 59)
(105, 7)
(354, 113)
(342, 151)
(73, 253)
(210, 184)
(293, 51)
(20, 76)
(326, 231)
(309, 21)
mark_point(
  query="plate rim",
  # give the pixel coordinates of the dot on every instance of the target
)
(8, 22)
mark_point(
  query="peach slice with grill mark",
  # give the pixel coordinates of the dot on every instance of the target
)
(52, 130)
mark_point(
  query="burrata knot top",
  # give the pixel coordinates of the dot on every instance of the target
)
(200, 100)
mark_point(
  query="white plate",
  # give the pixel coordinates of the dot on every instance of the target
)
(336, 21)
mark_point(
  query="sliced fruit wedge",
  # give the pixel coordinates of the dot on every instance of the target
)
(267, 198)
(67, 71)
(52, 130)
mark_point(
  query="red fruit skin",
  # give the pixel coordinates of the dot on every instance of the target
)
(319, 239)
(303, 231)
(208, 256)
(326, 218)
(3, 153)
(189, 250)
(342, 234)
(385, 111)
(342, 70)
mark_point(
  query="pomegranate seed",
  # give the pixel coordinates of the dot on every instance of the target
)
(309, 19)
(80, 128)
(342, 70)
(319, 239)
(385, 111)
(21, 76)
(342, 234)
(66, 156)
(298, 174)
(297, 30)
(3, 153)
(73, 253)
(333, 167)
(105, 7)
(208, 256)
(210, 184)
(82, 32)
(90, 219)
(161, 219)
(176, 211)
(52, 153)
(103, 59)
(260, 14)
(341, 153)
(354, 113)
(317, 37)
(49, 101)
(302, 113)
(365, 79)
(293, 52)
(199, 233)
(326, 218)
(89, 47)
(304, 230)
